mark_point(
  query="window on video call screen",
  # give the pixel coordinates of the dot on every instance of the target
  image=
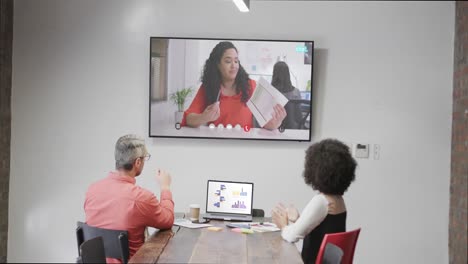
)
(228, 197)
(182, 105)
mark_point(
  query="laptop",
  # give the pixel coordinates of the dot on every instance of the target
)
(229, 201)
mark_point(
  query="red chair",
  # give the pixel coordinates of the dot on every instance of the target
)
(344, 240)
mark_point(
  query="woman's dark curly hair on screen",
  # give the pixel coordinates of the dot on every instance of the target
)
(211, 77)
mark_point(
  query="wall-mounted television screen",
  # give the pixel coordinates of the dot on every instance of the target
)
(230, 88)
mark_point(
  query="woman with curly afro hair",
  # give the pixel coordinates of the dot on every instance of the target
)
(329, 169)
(224, 92)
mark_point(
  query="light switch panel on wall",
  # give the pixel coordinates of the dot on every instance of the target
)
(361, 151)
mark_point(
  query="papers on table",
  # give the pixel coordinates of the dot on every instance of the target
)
(265, 227)
(262, 101)
(254, 227)
(241, 227)
(187, 223)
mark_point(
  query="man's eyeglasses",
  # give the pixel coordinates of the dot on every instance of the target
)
(147, 157)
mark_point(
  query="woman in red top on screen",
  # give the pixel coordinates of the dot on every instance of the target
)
(224, 92)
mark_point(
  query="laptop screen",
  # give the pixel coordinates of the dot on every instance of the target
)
(229, 197)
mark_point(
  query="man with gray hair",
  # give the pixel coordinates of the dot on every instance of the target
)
(115, 202)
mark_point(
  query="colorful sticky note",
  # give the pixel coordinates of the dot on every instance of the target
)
(242, 230)
(215, 228)
(246, 231)
(237, 230)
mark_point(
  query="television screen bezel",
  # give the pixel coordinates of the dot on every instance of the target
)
(234, 39)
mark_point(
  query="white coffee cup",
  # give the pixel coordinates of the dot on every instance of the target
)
(194, 213)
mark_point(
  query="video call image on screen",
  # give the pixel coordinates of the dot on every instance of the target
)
(226, 197)
(263, 74)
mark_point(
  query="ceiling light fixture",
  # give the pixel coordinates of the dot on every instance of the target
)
(243, 5)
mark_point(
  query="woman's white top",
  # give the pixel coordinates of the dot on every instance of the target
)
(312, 215)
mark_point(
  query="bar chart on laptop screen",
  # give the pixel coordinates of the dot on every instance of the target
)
(228, 197)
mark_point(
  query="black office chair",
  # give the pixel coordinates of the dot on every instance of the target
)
(297, 110)
(115, 241)
(258, 213)
(92, 251)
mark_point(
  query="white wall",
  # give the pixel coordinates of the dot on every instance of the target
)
(383, 75)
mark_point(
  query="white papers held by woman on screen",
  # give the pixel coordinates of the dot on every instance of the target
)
(262, 101)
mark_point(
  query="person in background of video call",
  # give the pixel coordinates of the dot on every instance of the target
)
(329, 168)
(224, 92)
(281, 80)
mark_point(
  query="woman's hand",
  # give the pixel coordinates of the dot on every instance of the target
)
(211, 112)
(290, 211)
(293, 214)
(278, 116)
(279, 216)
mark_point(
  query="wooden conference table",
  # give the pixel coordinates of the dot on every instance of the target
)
(185, 245)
